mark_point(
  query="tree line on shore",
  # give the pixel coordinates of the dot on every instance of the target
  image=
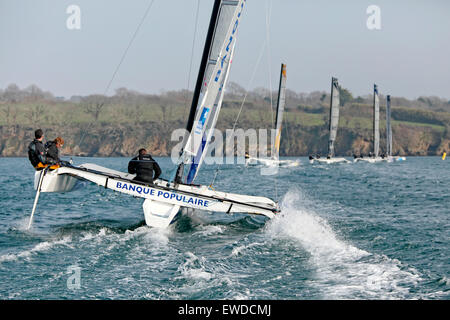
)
(116, 125)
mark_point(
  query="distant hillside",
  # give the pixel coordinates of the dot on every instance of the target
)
(96, 125)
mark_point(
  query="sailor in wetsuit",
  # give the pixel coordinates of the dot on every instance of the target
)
(145, 167)
(53, 150)
(36, 151)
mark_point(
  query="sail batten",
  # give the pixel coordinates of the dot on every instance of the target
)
(334, 115)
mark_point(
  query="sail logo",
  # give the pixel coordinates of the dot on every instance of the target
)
(202, 120)
(182, 199)
(227, 49)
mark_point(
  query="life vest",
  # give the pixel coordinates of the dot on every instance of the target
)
(41, 166)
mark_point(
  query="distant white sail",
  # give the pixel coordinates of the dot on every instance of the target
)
(334, 115)
(280, 110)
(376, 122)
(388, 127)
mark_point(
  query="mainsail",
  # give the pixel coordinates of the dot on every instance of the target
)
(388, 127)
(376, 122)
(334, 115)
(211, 81)
(280, 109)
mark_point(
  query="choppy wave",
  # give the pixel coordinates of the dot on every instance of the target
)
(376, 234)
(343, 271)
(40, 247)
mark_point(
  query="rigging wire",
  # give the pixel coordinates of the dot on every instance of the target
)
(121, 61)
(268, 15)
(268, 10)
(242, 105)
(192, 56)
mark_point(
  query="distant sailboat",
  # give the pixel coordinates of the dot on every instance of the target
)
(375, 157)
(333, 126)
(275, 153)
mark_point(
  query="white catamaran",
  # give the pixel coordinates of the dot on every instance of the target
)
(375, 156)
(163, 200)
(333, 126)
(275, 153)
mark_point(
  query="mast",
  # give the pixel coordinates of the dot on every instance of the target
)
(334, 115)
(280, 109)
(376, 122)
(388, 127)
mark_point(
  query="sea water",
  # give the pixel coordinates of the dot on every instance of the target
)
(345, 231)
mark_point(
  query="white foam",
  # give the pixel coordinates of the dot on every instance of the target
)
(40, 247)
(207, 230)
(342, 270)
(87, 236)
(240, 249)
(194, 268)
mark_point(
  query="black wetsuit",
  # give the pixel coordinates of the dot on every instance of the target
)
(52, 152)
(36, 153)
(144, 166)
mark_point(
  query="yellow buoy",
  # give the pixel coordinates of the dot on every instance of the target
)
(444, 155)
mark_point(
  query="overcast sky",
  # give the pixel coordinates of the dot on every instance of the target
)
(317, 39)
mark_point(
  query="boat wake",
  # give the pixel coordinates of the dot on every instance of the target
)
(343, 271)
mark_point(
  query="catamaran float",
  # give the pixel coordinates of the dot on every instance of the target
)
(164, 199)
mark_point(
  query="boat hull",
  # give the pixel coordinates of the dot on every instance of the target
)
(328, 161)
(54, 182)
(271, 162)
(163, 199)
(372, 160)
(159, 214)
